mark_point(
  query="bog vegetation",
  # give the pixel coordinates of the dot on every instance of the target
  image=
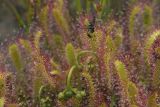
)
(82, 53)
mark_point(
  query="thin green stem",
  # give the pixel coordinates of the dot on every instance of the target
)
(70, 76)
(83, 53)
(88, 5)
(40, 91)
(15, 12)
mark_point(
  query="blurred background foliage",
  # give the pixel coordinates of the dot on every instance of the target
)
(15, 14)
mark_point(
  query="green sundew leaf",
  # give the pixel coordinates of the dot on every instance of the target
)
(70, 54)
(147, 16)
(55, 72)
(88, 5)
(58, 41)
(133, 92)
(37, 39)
(152, 38)
(107, 63)
(130, 88)
(54, 64)
(41, 67)
(60, 20)
(2, 100)
(78, 5)
(14, 52)
(132, 17)
(156, 75)
(12, 105)
(133, 1)
(106, 8)
(60, 4)
(30, 12)
(118, 39)
(103, 2)
(95, 40)
(110, 44)
(111, 26)
(152, 100)
(2, 85)
(26, 44)
(157, 50)
(37, 83)
(113, 101)
(38, 3)
(134, 106)
(157, 1)
(120, 67)
(41, 91)
(103, 105)
(149, 42)
(44, 19)
(92, 90)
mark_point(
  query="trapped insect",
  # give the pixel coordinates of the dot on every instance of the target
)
(91, 27)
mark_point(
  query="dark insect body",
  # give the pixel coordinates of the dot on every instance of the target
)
(91, 27)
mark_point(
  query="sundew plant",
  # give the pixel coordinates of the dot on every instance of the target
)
(81, 53)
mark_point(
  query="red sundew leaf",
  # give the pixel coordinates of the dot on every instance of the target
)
(101, 53)
(2, 68)
(46, 60)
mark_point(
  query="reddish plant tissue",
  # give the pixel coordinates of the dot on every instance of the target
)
(82, 53)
